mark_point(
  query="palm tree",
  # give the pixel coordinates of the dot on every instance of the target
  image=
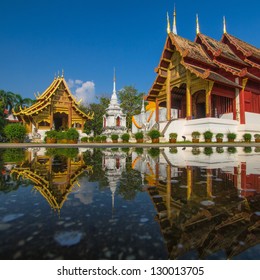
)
(8, 100)
(22, 102)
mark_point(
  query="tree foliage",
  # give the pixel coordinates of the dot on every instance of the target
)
(96, 125)
(131, 102)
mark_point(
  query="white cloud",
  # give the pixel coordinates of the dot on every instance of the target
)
(82, 90)
(78, 82)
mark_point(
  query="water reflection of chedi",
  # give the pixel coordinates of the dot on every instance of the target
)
(53, 175)
(204, 209)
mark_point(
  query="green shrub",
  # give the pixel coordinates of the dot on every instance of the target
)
(208, 135)
(51, 134)
(231, 135)
(114, 136)
(84, 139)
(154, 134)
(91, 139)
(173, 135)
(247, 137)
(125, 137)
(61, 135)
(195, 134)
(257, 136)
(219, 135)
(72, 134)
(97, 139)
(15, 132)
(139, 135)
(103, 138)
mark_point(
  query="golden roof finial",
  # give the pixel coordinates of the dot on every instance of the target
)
(168, 24)
(197, 24)
(174, 26)
(224, 25)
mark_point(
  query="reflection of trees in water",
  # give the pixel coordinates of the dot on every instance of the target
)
(130, 183)
(11, 182)
(94, 158)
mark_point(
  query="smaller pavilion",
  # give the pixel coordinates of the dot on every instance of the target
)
(56, 108)
(114, 121)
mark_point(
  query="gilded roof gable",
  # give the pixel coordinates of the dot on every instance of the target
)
(246, 48)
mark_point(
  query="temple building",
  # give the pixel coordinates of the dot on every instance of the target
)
(56, 108)
(207, 84)
(114, 121)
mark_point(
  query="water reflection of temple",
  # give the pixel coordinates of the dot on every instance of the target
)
(54, 172)
(206, 205)
(113, 163)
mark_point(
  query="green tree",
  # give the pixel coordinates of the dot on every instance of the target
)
(8, 100)
(131, 102)
(20, 102)
(99, 109)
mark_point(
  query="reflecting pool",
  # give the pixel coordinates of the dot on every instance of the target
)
(121, 203)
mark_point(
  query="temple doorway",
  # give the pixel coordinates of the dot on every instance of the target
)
(199, 105)
(60, 121)
(118, 121)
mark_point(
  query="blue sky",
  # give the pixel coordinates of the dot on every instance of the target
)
(89, 38)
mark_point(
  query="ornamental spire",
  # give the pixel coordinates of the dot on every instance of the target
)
(114, 96)
(168, 24)
(197, 24)
(224, 25)
(114, 80)
(174, 26)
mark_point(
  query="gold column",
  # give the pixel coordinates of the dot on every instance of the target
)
(156, 110)
(168, 95)
(51, 116)
(209, 183)
(189, 182)
(208, 99)
(168, 194)
(69, 116)
(188, 96)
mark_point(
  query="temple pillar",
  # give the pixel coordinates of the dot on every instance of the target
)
(51, 116)
(208, 99)
(189, 182)
(188, 96)
(156, 111)
(168, 194)
(69, 116)
(209, 182)
(168, 95)
(242, 102)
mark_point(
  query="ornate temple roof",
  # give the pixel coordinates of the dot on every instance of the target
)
(246, 48)
(44, 100)
(209, 59)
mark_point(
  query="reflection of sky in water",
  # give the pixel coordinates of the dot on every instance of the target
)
(172, 206)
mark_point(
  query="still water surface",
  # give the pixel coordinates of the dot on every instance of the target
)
(173, 203)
